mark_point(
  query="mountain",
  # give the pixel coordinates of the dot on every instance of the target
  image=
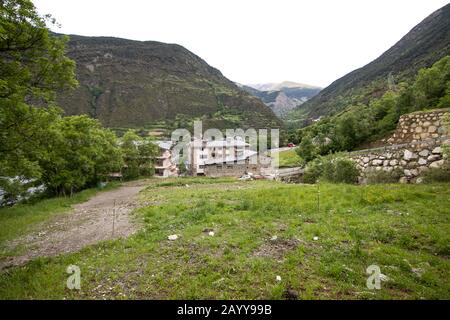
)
(425, 44)
(282, 97)
(277, 86)
(126, 83)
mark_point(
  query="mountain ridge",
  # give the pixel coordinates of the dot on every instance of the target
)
(128, 83)
(284, 96)
(425, 44)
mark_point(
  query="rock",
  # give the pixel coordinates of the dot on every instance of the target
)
(274, 238)
(377, 162)
(437, 150)
(385, 163)
(290, 294)
(422, 161)
(393, 162)
(418, 271)
(419, 180)
(316, 238)
(403, 180)
(424, 153)
(437, 164)
(415, 172)
(432, 129)
(211, 233)
(433, 158)
(408, 155)
(278, 278)
(366, 159)
(422, 169)
(172, 237)
(407, 173)
(419, 129)
(412, 165)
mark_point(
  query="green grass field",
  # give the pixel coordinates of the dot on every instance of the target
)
(404, 229)
(288, 159)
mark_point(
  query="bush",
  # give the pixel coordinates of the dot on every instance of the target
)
(313, 171)
(441, 174)
(337, 169)
(340, 170)
(382, 176)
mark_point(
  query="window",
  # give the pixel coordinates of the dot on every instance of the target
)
(201, 167)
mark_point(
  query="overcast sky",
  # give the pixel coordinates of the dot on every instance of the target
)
(255, 41)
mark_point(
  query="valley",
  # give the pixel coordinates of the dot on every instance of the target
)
(136, 170)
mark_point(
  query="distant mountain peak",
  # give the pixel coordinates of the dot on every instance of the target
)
(282, 97)
(276, 86)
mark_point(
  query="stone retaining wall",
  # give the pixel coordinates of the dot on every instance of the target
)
(421, 136)
(419, 126)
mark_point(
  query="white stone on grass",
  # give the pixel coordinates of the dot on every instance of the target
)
(172, 237)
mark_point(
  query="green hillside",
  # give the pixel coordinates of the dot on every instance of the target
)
(126, 83)
(425, 44)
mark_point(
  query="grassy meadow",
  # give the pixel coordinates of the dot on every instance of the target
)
(319, 240)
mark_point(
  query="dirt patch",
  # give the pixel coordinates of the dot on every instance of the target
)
(103, 217)
(276, 249)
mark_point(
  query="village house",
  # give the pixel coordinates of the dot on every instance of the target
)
(165, 165)
(220, 158)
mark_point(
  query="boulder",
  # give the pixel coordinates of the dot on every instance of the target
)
(433, 157)
(403, 180)
(408, 155)
(393, 162)
(424, 153)
(432, 129)
(422, 161)
(377, 162)
(437, 150)
(437, 164)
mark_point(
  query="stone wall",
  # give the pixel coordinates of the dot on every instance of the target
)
(419, 126)
(231, 170)
(415, 147)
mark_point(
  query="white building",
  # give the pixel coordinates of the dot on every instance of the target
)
(165, 165)
(203, 153)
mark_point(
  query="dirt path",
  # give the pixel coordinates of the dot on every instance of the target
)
(88, 223)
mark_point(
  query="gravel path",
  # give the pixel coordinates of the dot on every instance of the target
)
(103, 217)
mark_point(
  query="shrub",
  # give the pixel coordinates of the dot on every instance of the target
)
(340, 170)
(313, 171)
(441, 174)
(382, 176)
(336, 168)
